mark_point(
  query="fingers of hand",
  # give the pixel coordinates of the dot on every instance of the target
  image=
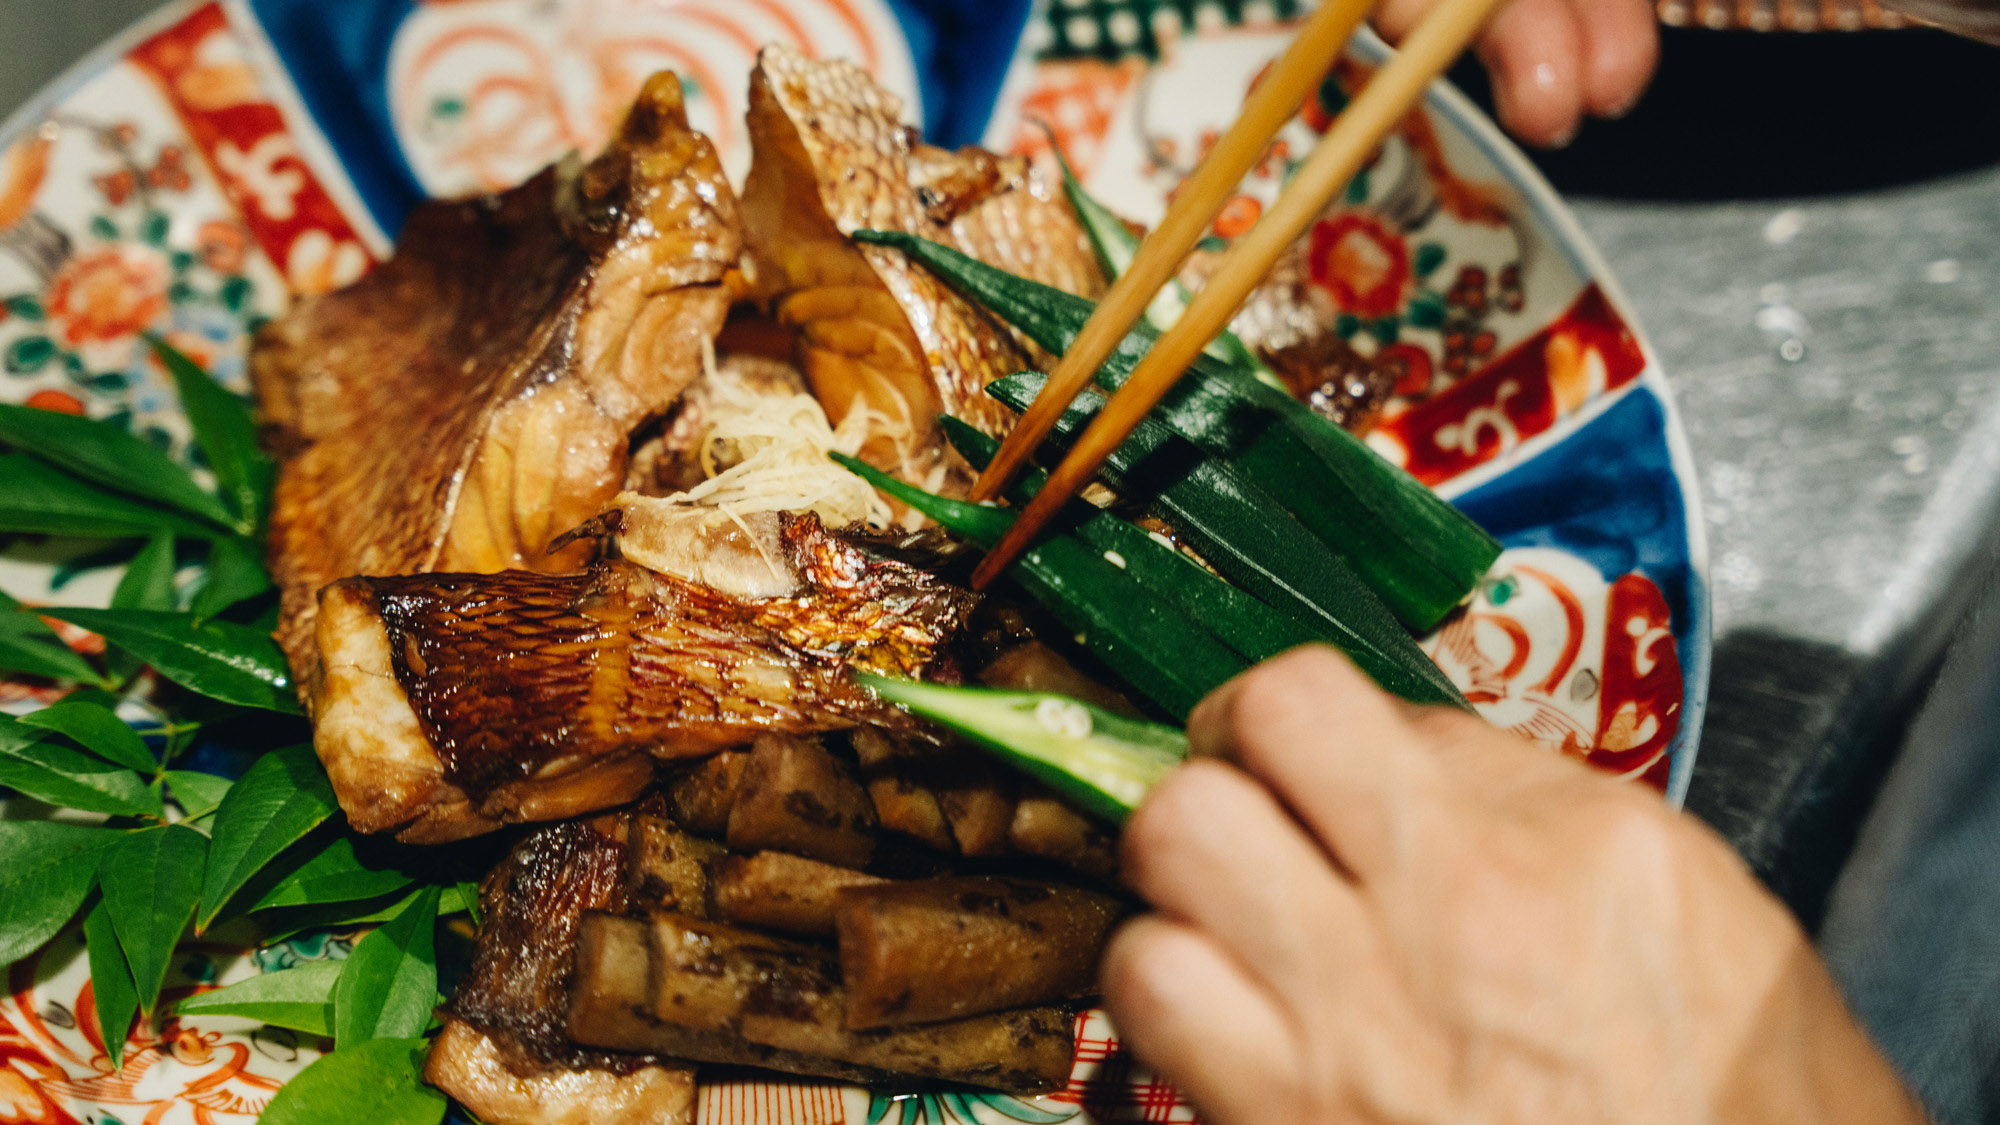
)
(1213, 849)
(1552, 61)
(1192, 1013)
(1336, 751)
(1621, 48)
(1534, 51)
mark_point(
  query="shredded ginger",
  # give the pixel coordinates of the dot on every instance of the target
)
(768, 453)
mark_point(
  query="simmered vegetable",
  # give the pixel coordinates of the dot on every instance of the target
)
(1236, 618)
(944, 949)
(1245, 534)
(1154, 646)
(1101, 762)
(1417, 552)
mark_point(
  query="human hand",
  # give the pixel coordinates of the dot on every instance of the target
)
(1371, 912)
(1553, 61)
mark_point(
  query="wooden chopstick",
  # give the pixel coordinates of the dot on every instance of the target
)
(1436, 43)
(1276, 100)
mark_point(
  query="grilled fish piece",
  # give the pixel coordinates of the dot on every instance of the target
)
(474, 396)
(451, 703)
(1289, 323)
(831, 156)
(504, 1052)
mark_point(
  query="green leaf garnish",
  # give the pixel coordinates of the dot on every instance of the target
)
(226, 434)
(148, 582)
(280, 798)
(219, 659)
(300, 998)
(115, 997)
(40, 499)
(389, 983)
(97, 729)
(45, 871)
(29, 646)
(109, 457)
(235, 574)
(151, 880)
(198, 793)
(33, 763)
(377, 1082)
(334, 873)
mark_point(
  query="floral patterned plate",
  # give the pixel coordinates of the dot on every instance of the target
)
(226, 155)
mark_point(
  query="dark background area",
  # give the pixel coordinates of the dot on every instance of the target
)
(1742, 115)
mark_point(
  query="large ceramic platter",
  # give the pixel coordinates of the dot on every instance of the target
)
(196, 174)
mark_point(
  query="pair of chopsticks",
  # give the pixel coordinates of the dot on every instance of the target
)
(1436, 43)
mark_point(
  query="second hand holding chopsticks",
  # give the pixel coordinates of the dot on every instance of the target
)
(1362, 126)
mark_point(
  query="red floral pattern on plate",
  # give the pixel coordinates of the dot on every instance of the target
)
(108, 295)
(1358, 259)
(1586, 353)
(201, 66)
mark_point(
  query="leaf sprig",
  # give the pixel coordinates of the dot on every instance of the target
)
(173, 848)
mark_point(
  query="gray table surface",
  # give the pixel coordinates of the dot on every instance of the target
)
(1837, 364)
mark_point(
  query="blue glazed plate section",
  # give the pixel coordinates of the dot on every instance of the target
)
(1612, 495)
(337, 56)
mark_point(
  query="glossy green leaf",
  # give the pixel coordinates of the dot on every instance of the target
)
(107, 456)
(389, 984)
(222, 660)
(226, 433)
(114, 995)
(300, 998)
(280, 798)
(96, 728)
(467, 893)
(378, 1082)
(28, 645)
(151, 880)
(198, 793)
(148, 582)
(235, 574)
(334, 873)
(290, 921)
(45, 871)
(38, 498)
(46, 770)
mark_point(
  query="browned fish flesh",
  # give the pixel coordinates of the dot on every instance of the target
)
(505, 1087)
(1289, 323)
(449, 704)
(505, 1052)
(474, 396)
(832, 156)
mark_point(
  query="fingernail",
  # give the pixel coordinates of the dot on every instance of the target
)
(1561, 140)
(1624, 108)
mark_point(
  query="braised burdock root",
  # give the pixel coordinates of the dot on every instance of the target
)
(789, 893)
(710, 986)
(940, 949)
